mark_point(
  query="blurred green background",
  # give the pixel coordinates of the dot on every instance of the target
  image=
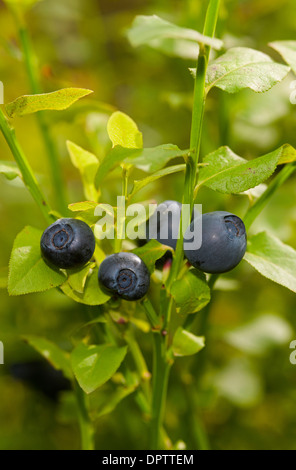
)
(245, 396)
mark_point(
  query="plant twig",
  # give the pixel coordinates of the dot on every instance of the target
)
(25, 168)
(35, 87)
(161, 366)
(160, 377)
(85, 424)
(199, 98)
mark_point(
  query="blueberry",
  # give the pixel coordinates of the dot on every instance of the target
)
(224, 242)
(68, 243)
(164, 224)
(125, 275)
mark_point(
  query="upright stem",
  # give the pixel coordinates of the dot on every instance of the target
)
(120, 225)
(85, 425)
(160, 375)
(199, 99)
(199, 88)
(162, 365)
(139, 362)
(153, 318)
(35, 86)
(24, 166)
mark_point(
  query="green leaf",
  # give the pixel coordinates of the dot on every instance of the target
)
(186, 343)
(123, 131)
(241, 67)
(92, 294)
(10, 170)
(151, 252)
(77, 278)
(57, 357)
(228, 173)
(140, 184)
(87, 211)
(112, 160)
(28, 272)
(287, 49)
(191, 293)
(83, 206)
(260, 335)
(94, 365)
(273, 259)
(167, 37)
(56, 101)
(153, 159)
(107, 398)
(148, 160)
(87, 164)
(176, 47)
(113, 400)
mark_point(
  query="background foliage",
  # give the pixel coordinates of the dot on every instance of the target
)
(243, 391)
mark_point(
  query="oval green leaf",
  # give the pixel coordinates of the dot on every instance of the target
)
(87, 164)
(155, 32)
(273, 259)
(123, 131)
(228, 173)
(242, 67)
(28, 272)
(91, 295)
(287, 49)
(149, 160)
(151, 252)
(94, 365)
(55, 101)
(191, 293)
(186, 343)
(56, 356)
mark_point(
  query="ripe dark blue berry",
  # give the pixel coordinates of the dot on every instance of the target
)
(163, 225)
(125, 275)
(67, 243)
(224, 242)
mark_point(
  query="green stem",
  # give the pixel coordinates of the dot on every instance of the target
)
(139, 362)
(152, 316)
(199, 87)
(160, 374)
(29, 57)
(199, 98)
(261, 202)
(124, 182)
(35, 86)
(120, 233)
(85, 424)
(161, 367)
(24, 166)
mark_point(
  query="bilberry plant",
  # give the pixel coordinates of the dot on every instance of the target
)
(105, 276)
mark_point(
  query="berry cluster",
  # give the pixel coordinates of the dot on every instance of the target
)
(70, 243)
